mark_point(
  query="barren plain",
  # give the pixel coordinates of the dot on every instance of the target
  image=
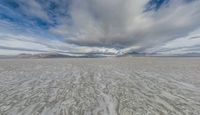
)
(100, 86)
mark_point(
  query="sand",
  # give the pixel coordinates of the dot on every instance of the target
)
(101, 86)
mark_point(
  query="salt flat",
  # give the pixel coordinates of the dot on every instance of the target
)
(103, 86)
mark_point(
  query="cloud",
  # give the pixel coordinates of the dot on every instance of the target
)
(182, 45)
(124, 23)
(103, 23)
(14, 44)
(103, 26)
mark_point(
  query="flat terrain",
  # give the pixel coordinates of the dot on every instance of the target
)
(103, 86)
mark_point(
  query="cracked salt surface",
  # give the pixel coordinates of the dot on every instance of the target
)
(107, 86)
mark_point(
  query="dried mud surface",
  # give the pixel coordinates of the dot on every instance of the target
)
(107, 86)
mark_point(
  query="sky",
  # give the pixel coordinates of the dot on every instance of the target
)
(115, 27)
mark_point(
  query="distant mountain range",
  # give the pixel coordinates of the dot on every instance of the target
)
(55, 55)
(90, 55)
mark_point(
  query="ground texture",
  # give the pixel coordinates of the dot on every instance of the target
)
(106, 86)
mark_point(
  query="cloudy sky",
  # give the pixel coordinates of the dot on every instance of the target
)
(99, 26)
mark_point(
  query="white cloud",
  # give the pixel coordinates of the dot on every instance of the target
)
(15, 44)
(187, 44)
(119, 22)
(34, 9)
(107, 26)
